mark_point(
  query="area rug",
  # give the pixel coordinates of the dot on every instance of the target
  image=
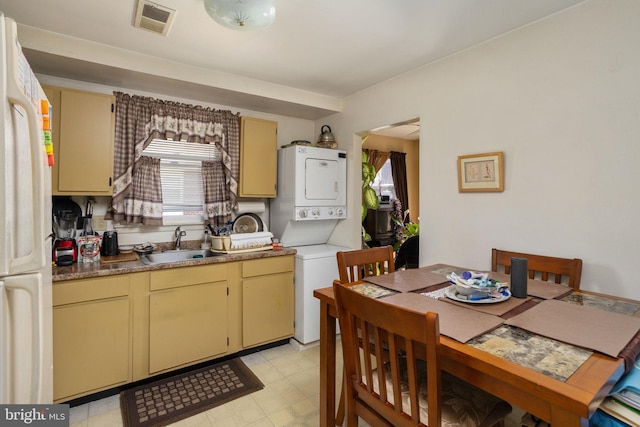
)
(172, 399)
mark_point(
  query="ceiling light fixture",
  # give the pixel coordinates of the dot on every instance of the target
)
(241, 14)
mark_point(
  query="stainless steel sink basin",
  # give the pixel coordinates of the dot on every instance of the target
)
(176, 256)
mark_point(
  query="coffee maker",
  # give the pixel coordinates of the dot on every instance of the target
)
(65, 248)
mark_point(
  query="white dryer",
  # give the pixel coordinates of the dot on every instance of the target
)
(312, 194)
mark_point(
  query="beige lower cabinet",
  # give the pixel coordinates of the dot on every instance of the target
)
(110, 331)
(267, 300)
(92, 332)
(187, 316)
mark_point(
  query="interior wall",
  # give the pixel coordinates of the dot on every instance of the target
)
(412, 148)
(560, 98)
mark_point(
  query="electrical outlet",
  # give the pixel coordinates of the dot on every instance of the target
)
(99, 224)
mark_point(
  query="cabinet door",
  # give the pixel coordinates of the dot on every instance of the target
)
(187, 325)
(91, 347)
(85, 145)
(267, 308)
(258, 157)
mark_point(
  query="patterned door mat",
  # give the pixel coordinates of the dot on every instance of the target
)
(181, 396)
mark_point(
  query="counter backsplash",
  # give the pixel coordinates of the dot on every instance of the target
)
(160, 235)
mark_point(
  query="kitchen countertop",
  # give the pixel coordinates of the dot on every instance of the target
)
(98, 269)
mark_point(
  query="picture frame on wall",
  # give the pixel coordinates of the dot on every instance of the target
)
(481, 173)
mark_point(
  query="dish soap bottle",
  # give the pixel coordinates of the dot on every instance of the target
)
(206, 243)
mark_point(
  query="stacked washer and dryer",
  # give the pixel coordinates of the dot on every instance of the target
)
(312, 190)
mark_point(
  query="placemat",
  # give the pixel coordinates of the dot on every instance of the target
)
(587, 327)
(497, 309)
(455, 322)
(407, 280)
(444, 269)
(537, 288)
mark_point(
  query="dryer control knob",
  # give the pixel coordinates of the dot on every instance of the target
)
(302, 213)
(339, 212)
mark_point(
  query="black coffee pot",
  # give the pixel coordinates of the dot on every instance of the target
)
(110, 243)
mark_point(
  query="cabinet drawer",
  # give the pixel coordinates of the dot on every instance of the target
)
(264, 266)
(90, 289)
(177, 277)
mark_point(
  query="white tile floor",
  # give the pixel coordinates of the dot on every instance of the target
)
(290, 396)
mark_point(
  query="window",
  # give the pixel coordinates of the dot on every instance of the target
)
(181, 174)
(383, 184)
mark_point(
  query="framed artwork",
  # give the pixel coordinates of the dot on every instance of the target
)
(480, 172)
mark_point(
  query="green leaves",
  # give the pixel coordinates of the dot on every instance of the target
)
(370, 198)
(368, 174)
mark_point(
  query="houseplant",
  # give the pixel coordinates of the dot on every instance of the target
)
(404, 228)
(369, 195)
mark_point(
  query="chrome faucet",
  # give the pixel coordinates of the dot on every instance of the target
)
(179, 234)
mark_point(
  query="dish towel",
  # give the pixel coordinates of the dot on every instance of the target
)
(250, 240)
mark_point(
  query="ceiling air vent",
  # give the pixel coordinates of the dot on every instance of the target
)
(153, 17)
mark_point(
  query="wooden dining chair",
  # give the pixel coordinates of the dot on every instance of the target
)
(358, 264)
(542, 266)
(397, 379)
(408, 255)
(354, 266)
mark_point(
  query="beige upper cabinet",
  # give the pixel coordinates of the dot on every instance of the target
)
(83, 134)
(258, 157)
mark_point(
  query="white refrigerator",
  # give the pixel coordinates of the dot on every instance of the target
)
(26, 373)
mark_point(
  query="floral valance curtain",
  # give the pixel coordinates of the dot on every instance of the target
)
(137, 197)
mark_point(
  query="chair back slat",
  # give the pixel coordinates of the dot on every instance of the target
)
(358, 264)
(541, 265)
(378, 340)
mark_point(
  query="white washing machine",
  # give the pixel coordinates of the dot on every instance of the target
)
(315, 267)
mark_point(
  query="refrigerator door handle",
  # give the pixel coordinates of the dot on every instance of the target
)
(32, 284)
(35, 259)
(4, 347)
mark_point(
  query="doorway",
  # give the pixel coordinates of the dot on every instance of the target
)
(403, 137)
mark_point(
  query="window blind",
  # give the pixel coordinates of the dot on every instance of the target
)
(181, 174)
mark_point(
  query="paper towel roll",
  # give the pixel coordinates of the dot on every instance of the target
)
(252, 207)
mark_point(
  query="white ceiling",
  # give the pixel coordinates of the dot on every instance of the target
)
(333, 48)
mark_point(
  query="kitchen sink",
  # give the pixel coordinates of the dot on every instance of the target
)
(176, 256)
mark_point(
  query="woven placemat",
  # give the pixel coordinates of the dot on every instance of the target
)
(178, 397)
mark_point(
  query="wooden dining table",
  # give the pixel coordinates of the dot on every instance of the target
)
(567, 403)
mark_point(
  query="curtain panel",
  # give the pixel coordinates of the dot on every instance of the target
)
(139, 120)
(217, 202)
(399, 175)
